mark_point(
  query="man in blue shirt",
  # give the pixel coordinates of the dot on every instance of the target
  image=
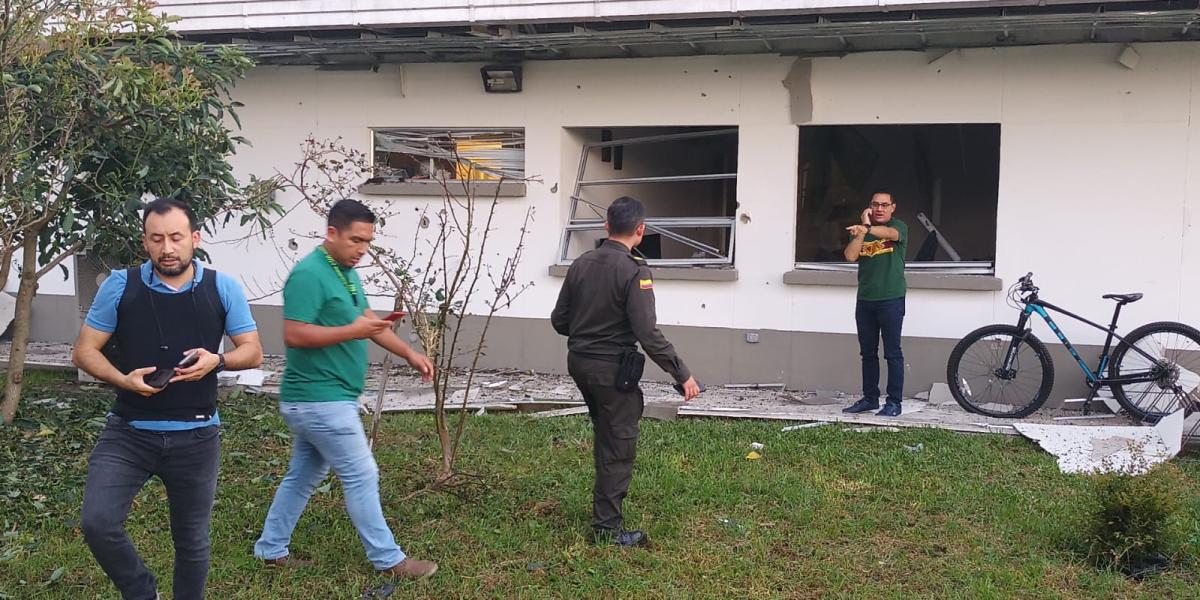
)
(168, 309)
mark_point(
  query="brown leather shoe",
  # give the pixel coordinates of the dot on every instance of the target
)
(286, 562)
(411, 568)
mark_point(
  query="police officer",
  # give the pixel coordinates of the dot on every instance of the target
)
(605, 308)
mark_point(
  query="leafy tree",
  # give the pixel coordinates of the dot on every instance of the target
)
(102, 105)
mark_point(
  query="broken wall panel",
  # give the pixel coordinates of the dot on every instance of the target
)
(415, 154)
(685, 176)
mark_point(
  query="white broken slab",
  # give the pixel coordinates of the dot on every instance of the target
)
(1189, 380)
(939, 395)
(456, 398)
(562, 412)
(804, 426)
(251, 377)
(8, 310)
(1108, 449)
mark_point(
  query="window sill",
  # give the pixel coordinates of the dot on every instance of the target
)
(916, 281)
(672, 273)
(507, 189)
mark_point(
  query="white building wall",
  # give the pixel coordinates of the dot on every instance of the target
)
(1096, 173)
(1097, 188)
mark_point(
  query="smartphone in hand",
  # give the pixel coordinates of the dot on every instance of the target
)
(395, 316)
(188, 360)
(160, 378)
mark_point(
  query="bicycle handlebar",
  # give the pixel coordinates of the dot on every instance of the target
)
(1025, 284)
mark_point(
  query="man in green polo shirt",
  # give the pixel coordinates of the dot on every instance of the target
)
(878, 246)
(327, 323)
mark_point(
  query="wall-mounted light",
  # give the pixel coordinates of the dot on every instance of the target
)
(501, 78)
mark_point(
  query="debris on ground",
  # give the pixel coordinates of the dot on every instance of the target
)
(730, 525)
(939, 395)
(551, 395)
(1108, 449)
(754, 386)
(803, 426)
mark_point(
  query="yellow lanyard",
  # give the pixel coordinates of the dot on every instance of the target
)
(350, 287)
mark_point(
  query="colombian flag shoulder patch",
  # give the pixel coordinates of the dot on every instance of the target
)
(646, 284)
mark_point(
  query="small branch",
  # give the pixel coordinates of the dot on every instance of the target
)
(70, 251)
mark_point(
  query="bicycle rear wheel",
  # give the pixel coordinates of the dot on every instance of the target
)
(979, 382)
(1175, 349)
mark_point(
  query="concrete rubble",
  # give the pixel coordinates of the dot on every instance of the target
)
(550, 395)
(1131, 450)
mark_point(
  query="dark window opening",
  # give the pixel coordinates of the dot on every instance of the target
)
(944, 179)
(685, 176)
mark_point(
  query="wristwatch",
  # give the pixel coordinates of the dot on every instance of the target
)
(220, 363)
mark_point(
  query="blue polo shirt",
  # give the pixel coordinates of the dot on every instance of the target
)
(102, 316)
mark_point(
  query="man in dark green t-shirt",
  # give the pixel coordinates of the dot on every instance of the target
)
(327, 323)
(878, 246)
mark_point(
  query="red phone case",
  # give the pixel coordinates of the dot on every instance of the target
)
(395, 316)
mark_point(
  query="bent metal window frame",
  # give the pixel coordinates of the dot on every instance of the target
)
(579, 221)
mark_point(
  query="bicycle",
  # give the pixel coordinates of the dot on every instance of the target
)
(1006, 371)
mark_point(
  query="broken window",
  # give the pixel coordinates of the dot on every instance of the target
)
(431, 154)
(685, 176)
(944, 179)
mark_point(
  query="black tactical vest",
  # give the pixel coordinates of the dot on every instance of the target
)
(153, 330)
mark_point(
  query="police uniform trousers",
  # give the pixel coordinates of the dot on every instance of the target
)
(615, 416)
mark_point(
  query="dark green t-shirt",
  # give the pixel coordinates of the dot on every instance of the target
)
(881, 265)
(315, 294)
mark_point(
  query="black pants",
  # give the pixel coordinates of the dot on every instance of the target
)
(122, 461)
(875, 319)
(615, 430)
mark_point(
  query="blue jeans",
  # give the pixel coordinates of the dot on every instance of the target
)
(324, 435)
(875, 319)
(122, 461)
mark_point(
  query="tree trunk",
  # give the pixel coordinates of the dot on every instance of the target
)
(377, 413)
(446, 469)
(21, 323)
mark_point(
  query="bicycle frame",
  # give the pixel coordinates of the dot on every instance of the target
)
(1035, 305)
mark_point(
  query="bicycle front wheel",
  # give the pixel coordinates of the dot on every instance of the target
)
(980, 382)
(1174, 359)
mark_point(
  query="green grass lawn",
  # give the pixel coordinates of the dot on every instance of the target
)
(824, 514)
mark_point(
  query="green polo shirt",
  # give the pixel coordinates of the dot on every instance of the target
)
(315, 294)
(881, 265)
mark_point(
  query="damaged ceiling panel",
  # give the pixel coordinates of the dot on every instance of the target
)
(795, 34)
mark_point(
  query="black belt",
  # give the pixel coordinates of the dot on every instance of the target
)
(616, 358)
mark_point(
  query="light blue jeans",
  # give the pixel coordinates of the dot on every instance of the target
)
(324, 435)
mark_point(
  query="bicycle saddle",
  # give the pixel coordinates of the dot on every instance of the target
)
(1123, 298)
